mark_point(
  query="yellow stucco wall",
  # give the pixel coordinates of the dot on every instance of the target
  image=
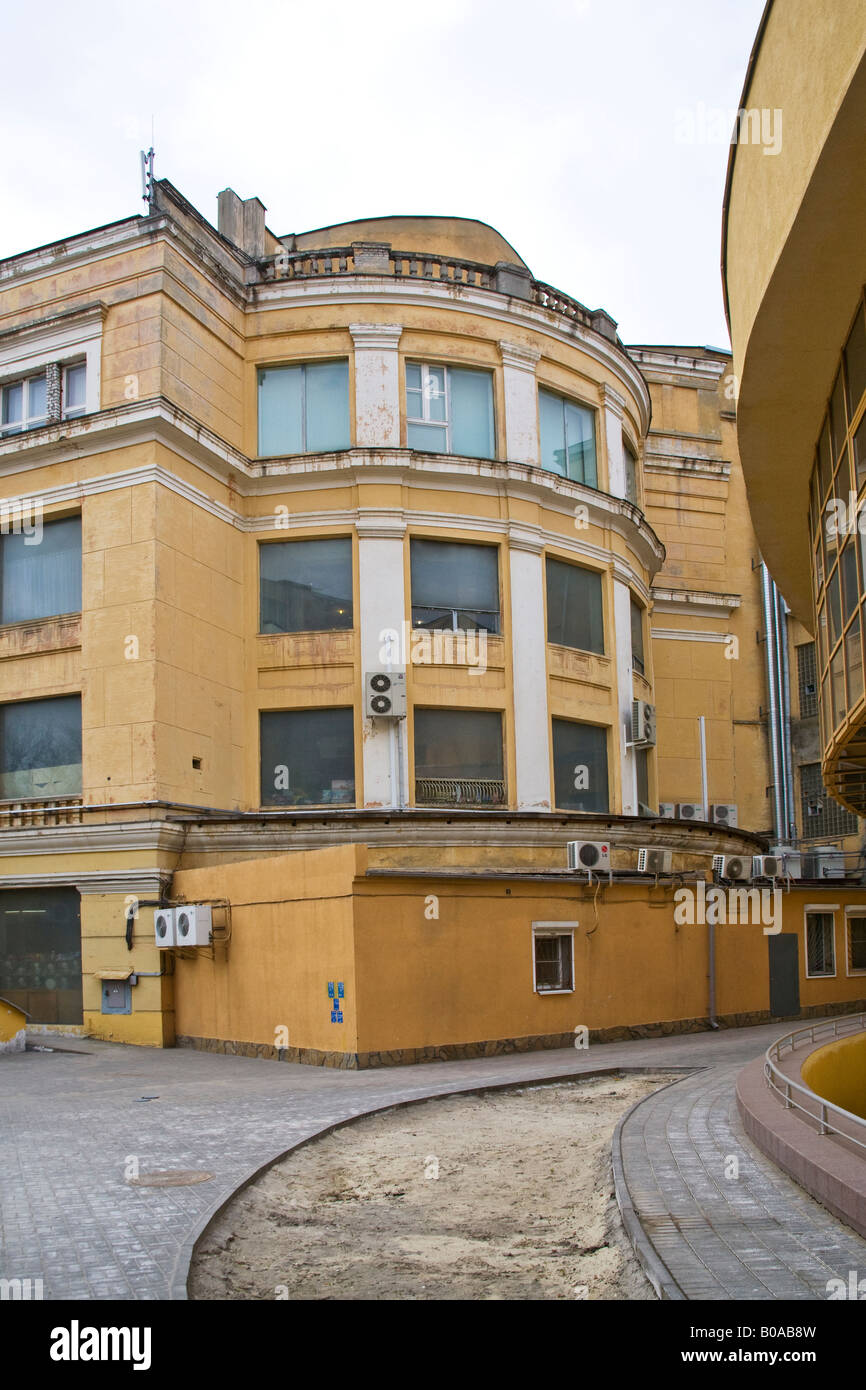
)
(838, 1073)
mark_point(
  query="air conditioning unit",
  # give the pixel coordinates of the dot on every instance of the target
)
(643, 724)
(736, 868)
(667, 810)
(193, 925)
(164, 927)
(723, 815)
(790, 860)
(385, 694)
(823, 863)
(690, 810)
(767, 866)
(654, 861)
(589, 856)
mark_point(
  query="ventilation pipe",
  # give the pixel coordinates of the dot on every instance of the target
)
(773, 689)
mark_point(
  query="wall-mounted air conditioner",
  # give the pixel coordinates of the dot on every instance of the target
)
(790, 860)
(193, 924)
(767, 866)
(643, 724)
(690, 810)
(825, 862)
(736, 868)
(723, 814)
(668, 810)
(164, 927)
(589, 856)
(385, 694)
(654, 861)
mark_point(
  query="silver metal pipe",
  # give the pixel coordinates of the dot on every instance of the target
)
(787, 749)
(772, 694)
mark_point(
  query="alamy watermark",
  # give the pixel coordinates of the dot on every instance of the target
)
(716, 125)
(23, 517)
(719, 907)
(422, 646)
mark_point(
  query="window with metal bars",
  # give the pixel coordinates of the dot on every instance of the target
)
(553, 962)
(856, 945)
(821, 816)
(820, 952)
(807, 680)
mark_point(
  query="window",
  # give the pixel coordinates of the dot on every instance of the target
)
(449, 410)
(458, 757)
(630, 461)
(25, 405)
(74, 390)
(856, 945)
(308, 757)
(40, 953)
(580, 766)
(574, 607)
(40, 576)
(567, 438)
(40, 749)
(641, 762)
(304, 409)
(820, 953)
(637, 650)
(807, 681)
(552, 958)
(454, 585)
(305, 586)
(820, 815)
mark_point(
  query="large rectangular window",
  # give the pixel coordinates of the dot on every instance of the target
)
(304, 409)
(820, 815)
(580, 766)
(40, 575)
(40, 749)
(630, 462)
(458, 757)
(24, 404)
(637, 647)
(567, 438)
(820, 946)
(574, 607)
(454, 585)
(307, 757)
(305, 586)
(40, 953)
(449, 410)
(641, 762)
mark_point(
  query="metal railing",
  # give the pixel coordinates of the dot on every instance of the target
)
(784, 1087)
(459, 791)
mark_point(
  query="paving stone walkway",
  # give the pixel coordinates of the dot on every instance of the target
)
(722, 1219)
(74, 1123)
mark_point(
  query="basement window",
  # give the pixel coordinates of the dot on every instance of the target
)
(552, 958)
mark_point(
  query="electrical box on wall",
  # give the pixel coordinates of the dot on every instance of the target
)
(117, 996)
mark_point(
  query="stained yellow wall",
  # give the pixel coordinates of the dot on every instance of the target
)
(838, 1073)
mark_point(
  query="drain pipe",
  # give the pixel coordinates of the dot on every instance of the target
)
(787, 750)
(772, 691)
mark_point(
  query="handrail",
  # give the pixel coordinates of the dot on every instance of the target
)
(779, 1082)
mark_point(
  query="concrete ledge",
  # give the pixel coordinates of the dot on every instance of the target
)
(825, 1167)
(664, 1283)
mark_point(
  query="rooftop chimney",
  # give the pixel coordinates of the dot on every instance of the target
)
(242, 221)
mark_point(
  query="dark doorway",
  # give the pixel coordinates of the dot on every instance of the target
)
(784, 975)
(40, 953)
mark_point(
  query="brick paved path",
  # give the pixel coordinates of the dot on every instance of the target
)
(70, 1120)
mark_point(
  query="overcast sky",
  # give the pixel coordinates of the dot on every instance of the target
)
(578, 128)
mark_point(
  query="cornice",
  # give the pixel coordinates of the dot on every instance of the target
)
(382, 337)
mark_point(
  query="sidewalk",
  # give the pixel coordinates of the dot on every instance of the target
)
(69, 1121)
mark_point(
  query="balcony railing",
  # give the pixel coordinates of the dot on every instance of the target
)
(381, 259)
(459, 791)
(60, 810)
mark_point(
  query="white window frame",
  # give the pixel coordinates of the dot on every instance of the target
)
(826, 910)
(627, 445)
(849, 913)
(552, 929)
(76, 411)
(27, 421)
(445, 425)
(68, 339)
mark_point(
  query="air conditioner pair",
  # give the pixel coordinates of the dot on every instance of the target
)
(742, 868)
(190, 925)
(719, 813)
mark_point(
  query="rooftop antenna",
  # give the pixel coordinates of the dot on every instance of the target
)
(147, 191)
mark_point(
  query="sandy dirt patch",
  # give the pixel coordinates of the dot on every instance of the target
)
(507, 1195)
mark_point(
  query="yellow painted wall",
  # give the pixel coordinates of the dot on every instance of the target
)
(838, 1073)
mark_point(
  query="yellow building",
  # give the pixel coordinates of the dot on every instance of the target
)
(794, 271)
(327, 571)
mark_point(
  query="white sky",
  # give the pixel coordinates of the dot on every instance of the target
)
(560, 122)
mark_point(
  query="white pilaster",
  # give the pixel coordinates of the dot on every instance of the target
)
(624, 685)
(377, 383)
(521, 402)
(614, 405)
(529, 652)
(382, 611)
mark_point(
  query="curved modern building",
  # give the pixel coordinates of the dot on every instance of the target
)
(794, 271)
